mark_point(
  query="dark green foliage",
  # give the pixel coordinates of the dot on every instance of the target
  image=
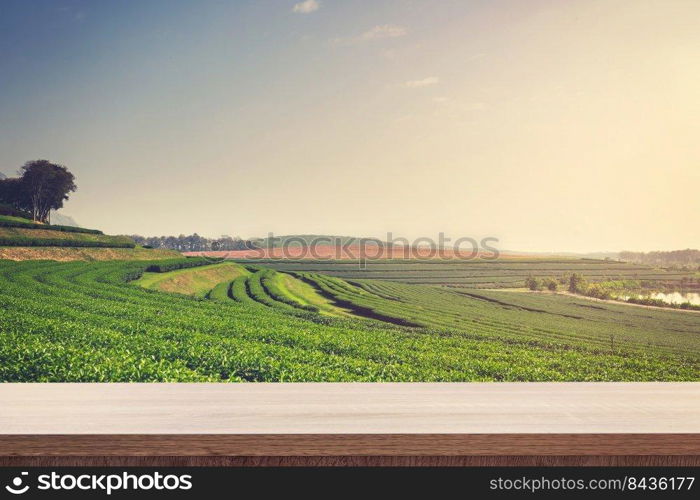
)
(577, 283)
(51, 227)
(19, 241)
(597, 291)
(13, 193)
(533, 283)
(81, 322)
(43, 186)
(551, 284)
(184, 263)
(7, 209)
(650, 301)
(269, 280)
(192, 243)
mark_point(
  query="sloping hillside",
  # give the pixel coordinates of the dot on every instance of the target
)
(23, 239)
(68, 254)
(197, 281)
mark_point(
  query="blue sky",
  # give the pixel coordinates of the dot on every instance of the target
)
(551, 125)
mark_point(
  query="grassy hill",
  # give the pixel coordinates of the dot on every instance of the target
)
(39, 237)
(23, 239)
(16, 221)
(197, 281)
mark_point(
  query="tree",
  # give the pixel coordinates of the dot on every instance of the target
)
(598, 291)
(46, 187)
(551, 284)
(577, 284)
(13, 193)
(533, 283)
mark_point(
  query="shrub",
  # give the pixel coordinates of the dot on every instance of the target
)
(175, 264)
(577, 283)
(552, 284)
(6, 209)
(57, 242)
(34, 225)
(597, 291)
(533, 283)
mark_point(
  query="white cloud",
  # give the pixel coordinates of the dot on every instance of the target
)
(377, 33)
(306, 7)
(383, 31)
(425, 82)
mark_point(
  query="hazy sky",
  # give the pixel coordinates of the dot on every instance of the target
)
(552, 125)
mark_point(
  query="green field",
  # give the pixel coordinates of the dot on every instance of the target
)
(65, 254)
(198, 281)
(503, 273)
(18, 232)
(13, 221)
(87, 321)
(556, 320)
(23, 239)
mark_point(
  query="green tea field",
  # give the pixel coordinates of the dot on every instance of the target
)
(501, 273)
(92, 321)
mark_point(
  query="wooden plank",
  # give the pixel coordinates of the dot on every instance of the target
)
(348, 444)
(479, 408)
(608, 422)
(356, 461)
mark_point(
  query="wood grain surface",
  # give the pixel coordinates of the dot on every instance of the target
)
(357, 461)
(351, 424)
(479, 408)
(349, 444)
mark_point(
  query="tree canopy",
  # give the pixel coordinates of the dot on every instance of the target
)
(42, 186)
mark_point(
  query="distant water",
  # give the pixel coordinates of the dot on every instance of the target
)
(672, 297)
(678, 297)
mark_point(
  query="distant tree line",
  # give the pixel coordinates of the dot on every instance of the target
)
(193, 243)
(611, 288)
(577, 283)
(42, 186)
(688, 259)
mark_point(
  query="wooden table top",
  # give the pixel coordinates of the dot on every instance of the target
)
(350, 419)
(329, 408)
